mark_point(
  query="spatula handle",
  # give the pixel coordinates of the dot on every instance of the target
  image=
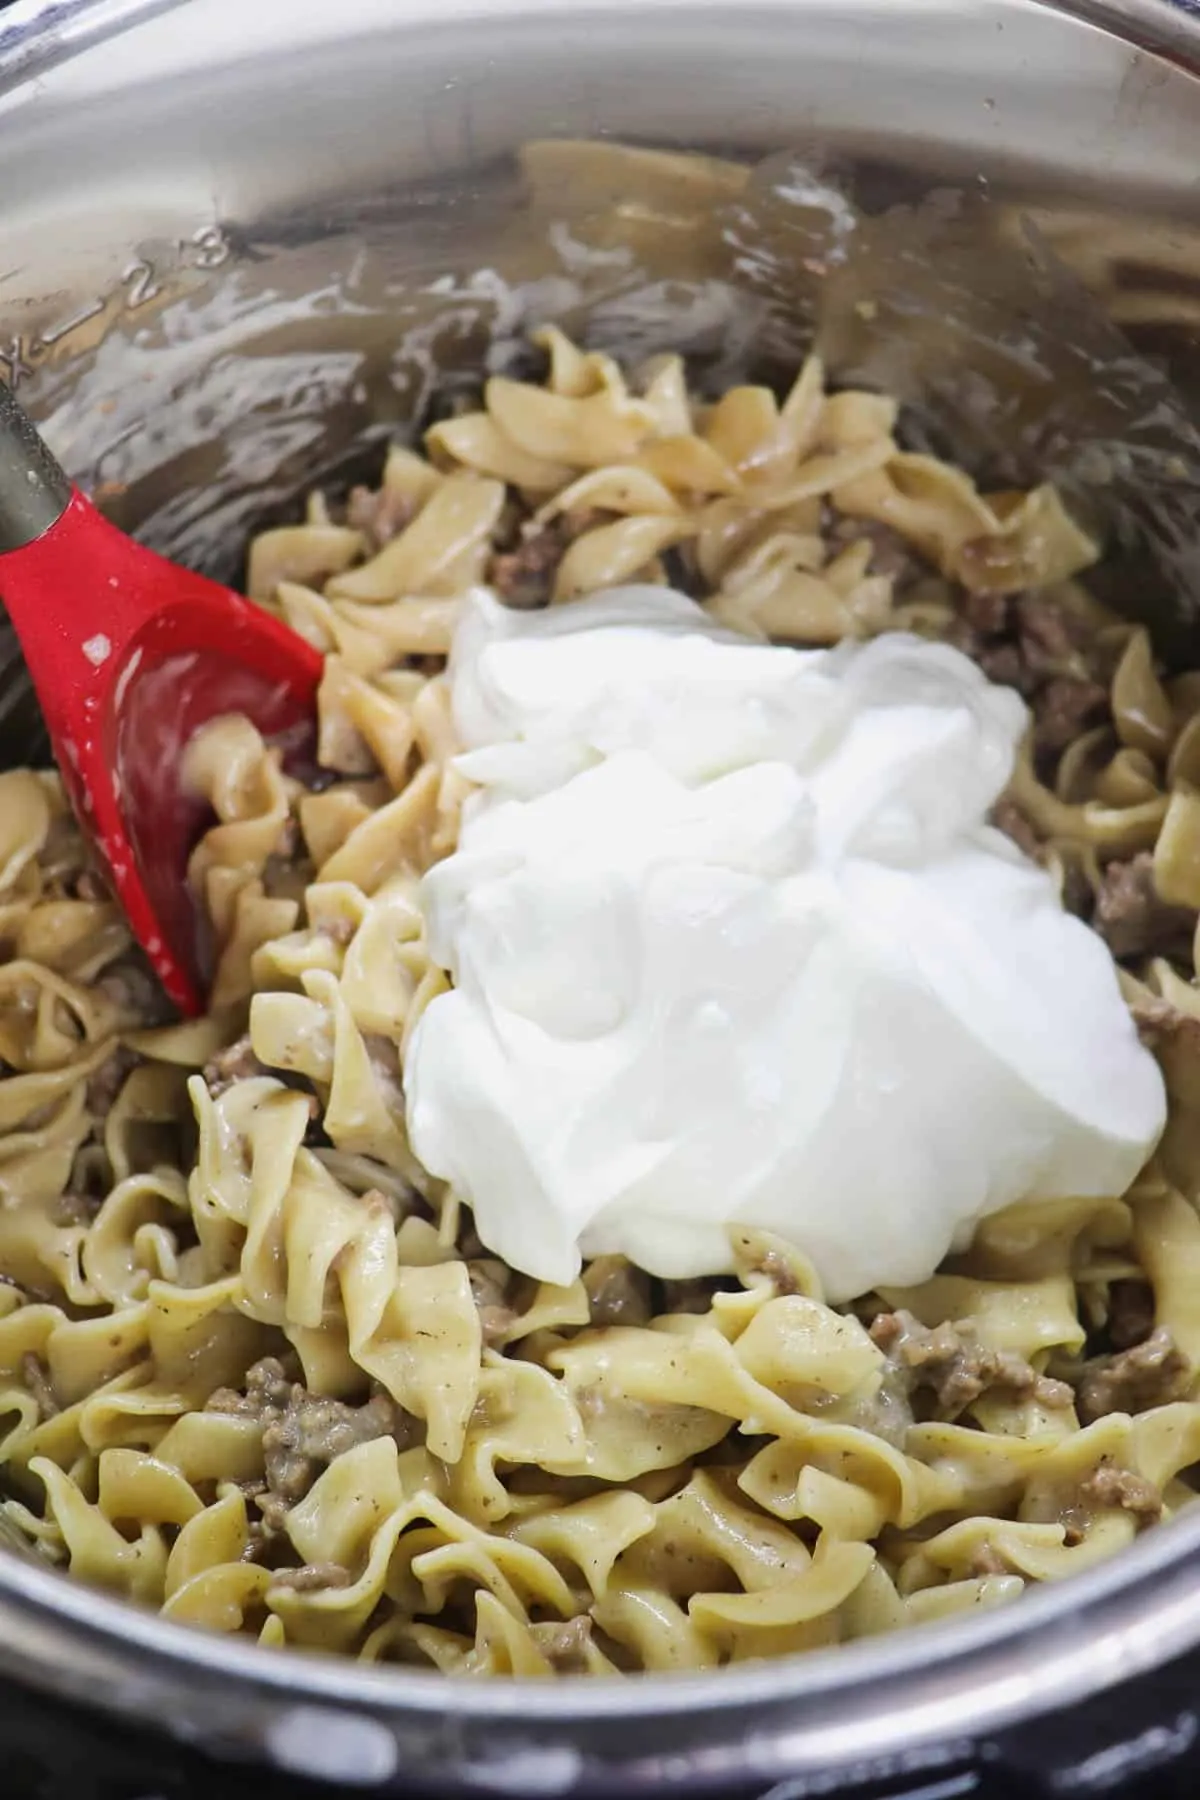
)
(34, 492)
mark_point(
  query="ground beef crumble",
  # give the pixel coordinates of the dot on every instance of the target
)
(565, 1645)
(618, 1293)
(107, 1081)
(982, 634)
(312, 1578)
(891, 554)
(1001, 663)
(383, 1054)
(1108, 1486)
(988, 614)
(339, 931)
(987, 1561)
(776, 1267)
(950, 1364)
(1009, 819)
(1160, 1022)
(489, 1288)
(1065, 707)
(302, 1432)
(1130, 1313)
(73, 1208)
(1029, 643)
(134, 989)
(1131, 918)
(379, 514)
(524, 578)
(90, 885)
(1053, 640)
(1152, 1373)
(239, 1063)
(236, 1063)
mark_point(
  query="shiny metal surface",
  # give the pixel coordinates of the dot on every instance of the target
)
(33, 489)
(219, 222)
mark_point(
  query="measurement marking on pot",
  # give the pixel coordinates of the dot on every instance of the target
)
(141, 284)
(45, 340)
(143, 280)
(212, 246)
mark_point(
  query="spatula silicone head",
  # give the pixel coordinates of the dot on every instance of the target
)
(130, 655)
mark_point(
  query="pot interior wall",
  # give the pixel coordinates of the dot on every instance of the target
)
(233, 267)
(236, 254)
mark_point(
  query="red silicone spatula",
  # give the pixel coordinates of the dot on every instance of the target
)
(129, 656)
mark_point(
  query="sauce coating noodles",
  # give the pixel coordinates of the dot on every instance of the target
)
(256, 1369)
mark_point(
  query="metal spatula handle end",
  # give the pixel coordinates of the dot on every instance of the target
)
(34, 492)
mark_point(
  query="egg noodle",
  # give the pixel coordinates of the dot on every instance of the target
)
(257, 1371)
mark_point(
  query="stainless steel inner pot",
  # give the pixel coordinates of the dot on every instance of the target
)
(239, 243)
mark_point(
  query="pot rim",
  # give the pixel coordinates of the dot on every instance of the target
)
(852, 1704)
(858, 1704)
(37, 35)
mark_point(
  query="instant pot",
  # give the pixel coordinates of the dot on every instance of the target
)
(241, 243)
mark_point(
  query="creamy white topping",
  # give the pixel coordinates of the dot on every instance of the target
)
(732, 941)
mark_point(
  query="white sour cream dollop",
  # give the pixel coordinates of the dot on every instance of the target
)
(731, 941)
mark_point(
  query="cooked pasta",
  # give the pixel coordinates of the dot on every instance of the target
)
(257, 1370)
